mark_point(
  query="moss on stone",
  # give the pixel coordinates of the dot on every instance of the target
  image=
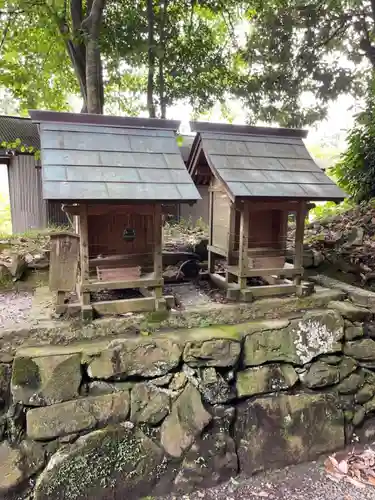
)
(25, 372)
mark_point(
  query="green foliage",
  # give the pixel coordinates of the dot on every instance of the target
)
(355, 172)
(316, 50)
(18, 146)
(329, 209)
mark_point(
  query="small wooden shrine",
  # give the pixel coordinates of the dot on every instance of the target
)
(112, 174)
(258, 178)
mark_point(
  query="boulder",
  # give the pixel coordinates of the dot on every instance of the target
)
(285, 429)
(369, 406)
(46, 380)
(351, 384)
(5, 376)
(148, 404)
(61, 419)
(317, 333)
(359, 416)
(213, 387)
(321, 375)
(353, 332)
(365, 393)
(18, 266)
(212, 348)
(185, 423)
(163, 381)
(115, 462)
(263, 379)
(349, 311)
(179, 381)
(143, 356)
(18, 463)
(363, 349)
(5, 275)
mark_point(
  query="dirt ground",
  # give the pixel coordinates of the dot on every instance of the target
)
(299, 482)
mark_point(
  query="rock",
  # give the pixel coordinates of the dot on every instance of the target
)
(5, 376)
(5, 275)
(359, 416)
(144, 356)
(213, 387)
(211, 460)
(15, 423)
(349, 311)
(285, 429)
(369, 330)
(186, 421)
(78, 415)
(212, 350)
(179, 381)
(18, 463)
(366, 432)
(317, 333)
(46, 380)
(363, 350)
(353, 332)
(162, 381)
(98, 387)
(355, 237)
(365, 393)
(331, 359)
(321, 375)
(263, 379)
(18, 266)
(369, 406)
(108, 463)
(201, 250)
(351, 384)
(148, 404)
(346, 367)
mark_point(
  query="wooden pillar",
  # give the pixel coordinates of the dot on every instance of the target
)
(84, 262)
(298, 241)
(158, 256)
(211, 257)
(243, 262)
(230, 241)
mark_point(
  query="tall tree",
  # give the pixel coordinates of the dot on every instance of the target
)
(306, 48)
(34, 61)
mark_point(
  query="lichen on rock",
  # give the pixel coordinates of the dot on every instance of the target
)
(264, 379)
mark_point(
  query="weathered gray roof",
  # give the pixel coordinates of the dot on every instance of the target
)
(262, 163)
(92, 157)
(15, 127)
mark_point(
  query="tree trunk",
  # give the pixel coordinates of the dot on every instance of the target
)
(151, 60)
(162, 42)
(94, 75)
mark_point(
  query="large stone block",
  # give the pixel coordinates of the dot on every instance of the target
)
(109, 463)
(149, 404)
(18, 463)
(322, 374)
(349, 311)
(46, 380)
(363, 350)
(318, 332)
(285, 429)
(212, 348)
(5, 376)
(263, 379)
(49, 422)
(186, 421)
(144, 356)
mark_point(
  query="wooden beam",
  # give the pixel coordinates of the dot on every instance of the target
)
(298, 240)
(112, 307)
(243, 261)
(259, 206)
(233, 289)
(217, 250)
(287, 272)
(272, 290)
(143, 282)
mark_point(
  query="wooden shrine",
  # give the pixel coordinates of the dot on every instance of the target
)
(112, 175)
(257, 178)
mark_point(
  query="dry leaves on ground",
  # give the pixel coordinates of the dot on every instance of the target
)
(357, 468)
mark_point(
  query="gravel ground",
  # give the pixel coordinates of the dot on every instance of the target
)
(14, 308)
(300, 482)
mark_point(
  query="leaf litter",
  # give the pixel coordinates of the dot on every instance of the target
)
(355, 467)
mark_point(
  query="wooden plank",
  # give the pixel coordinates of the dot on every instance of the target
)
(158, 243)
(289, 206)
(112, 307)
(233, 289)
(64, 258)
(84, 248)
(108, 208)
(217, 250)
(249, 273)
(142, 282)
(298, 241)
(210, 248)
(272, 290)
(243, 261)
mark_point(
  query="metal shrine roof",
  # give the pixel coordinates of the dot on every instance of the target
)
(261, 162)
(15, 127)
(96, 157)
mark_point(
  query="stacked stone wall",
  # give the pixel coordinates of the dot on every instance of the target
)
(171, 412)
